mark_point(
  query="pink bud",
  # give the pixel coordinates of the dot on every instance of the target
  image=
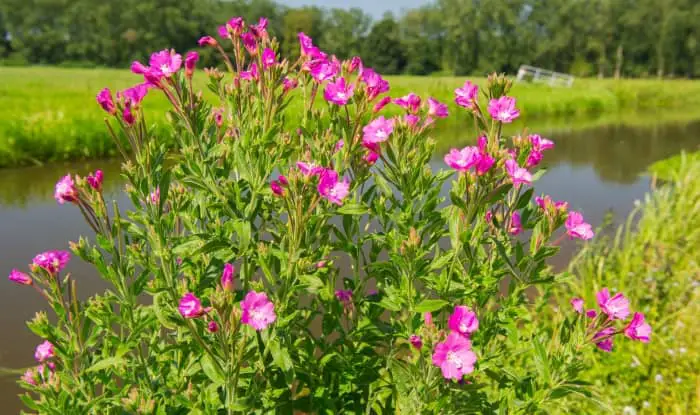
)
(416, 341)
(227, 277)
(381, 104)
(207, 41)
(428, 319)
(190, 63)
(212, 327)
(20, 277)
(95, 180)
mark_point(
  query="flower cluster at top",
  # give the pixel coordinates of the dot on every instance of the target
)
(601, 329)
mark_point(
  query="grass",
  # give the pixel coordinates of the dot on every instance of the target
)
(50, 114)
(653, 259)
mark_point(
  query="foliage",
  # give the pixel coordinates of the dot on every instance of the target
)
(620, 38)
(671, 168)
(359, 289)
(653, 257)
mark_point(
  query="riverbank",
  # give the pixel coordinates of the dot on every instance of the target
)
(49, 114)
(653, 259)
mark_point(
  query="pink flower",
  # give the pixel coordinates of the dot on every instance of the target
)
(637, 329)
(95, 180)
(416, 341)
(540, 144)
(591, 313)
(207, 41)
(307, 46)
(283, 179)
(20, 277)
(503, 109)
(191, 63)
(258, 311)
(134, 95)
(309, 169)
(190, 306)
(604, 339)
(467, 95)
(251, 74)
(259, 29)
(338, 92)
(212, 327)
(517, 174)
(534, 158)
(165, 63)
(289, 84)
(52, 261)
(411, 120)
(485, 163)
(269, 59)
(463, 321)
(331, 189)
(410, 102)
(250, 43)
(376, 85)
(377, 131)
(65, 190)
(30, 377)
(577, 228)
(577, 304)
(454, 357)
(355, 64)
(236, 25)
(44, 351)
(381, 104)
(325, 69)
(437, 108)
(515, 226)
(344, 296)
(227, 277)
(616, 307)
(464, 159)
(104, 98)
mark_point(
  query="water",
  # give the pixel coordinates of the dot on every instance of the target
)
(597, 170)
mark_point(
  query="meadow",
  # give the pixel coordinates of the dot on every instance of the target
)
(49, 114)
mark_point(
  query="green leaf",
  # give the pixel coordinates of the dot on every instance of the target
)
(353, 209)
(282, 359)
(107, 363)
(212, 370)
(428, 306)
(312, 283)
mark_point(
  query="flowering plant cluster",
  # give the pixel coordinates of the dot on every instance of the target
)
(306, 263)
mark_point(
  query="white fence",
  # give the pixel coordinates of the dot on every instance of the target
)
(530, 73)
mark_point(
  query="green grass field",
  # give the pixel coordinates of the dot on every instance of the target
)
(50, 114)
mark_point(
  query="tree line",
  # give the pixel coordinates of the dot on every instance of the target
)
(606, 38)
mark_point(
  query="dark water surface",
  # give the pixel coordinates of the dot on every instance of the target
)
(596, 170)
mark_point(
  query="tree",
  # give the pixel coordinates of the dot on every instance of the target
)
(344, 32)
(383, 49)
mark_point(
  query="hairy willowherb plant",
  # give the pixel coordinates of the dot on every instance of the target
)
(308, 265)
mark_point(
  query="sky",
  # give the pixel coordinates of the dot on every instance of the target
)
(375, 8)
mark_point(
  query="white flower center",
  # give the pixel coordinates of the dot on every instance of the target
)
(504, 114)
(165, 69)
(463, 327)
(454, 359)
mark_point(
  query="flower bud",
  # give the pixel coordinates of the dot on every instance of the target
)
(190, 63)
(212, 327)
(227, 277)
(207, 41)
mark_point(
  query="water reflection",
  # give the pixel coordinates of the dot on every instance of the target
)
(596, 170)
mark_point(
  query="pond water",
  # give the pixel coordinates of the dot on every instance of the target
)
(597, 170)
